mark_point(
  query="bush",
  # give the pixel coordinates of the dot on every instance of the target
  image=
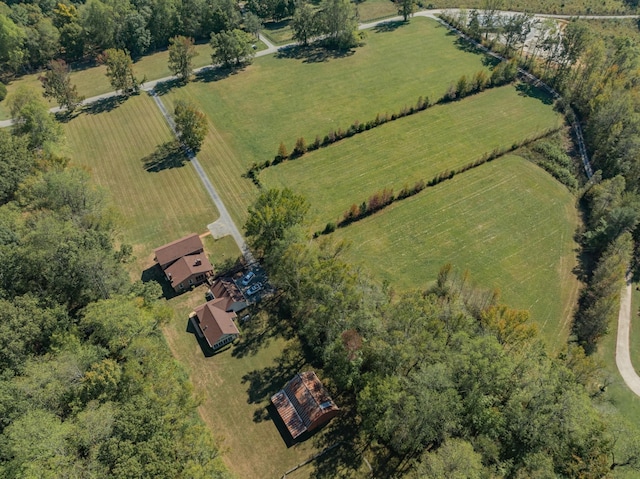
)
(300, 148)
(3, 91)
(330, 228)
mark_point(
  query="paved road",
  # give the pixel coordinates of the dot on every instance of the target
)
(623, 354)
(224, 222)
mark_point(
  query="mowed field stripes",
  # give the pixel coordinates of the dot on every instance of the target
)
(509, 223)
(413, 148)
(156, 207)
(282, 98)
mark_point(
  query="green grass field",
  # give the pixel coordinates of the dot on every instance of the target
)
(409, 149)
(156, 207)
(508, 223)
(280, 99)
(235, 386)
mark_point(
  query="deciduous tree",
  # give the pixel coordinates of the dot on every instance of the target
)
(120, 71)
(181, 55)
(232, 48)
(57, 84)
(271, 215)
(191, 125)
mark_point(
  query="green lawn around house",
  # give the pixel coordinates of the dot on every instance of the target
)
(280, 99)
(399, 153)
(235, 386)
(156, 207)
(508, 222)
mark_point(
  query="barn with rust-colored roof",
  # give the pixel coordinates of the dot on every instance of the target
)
(304, 404)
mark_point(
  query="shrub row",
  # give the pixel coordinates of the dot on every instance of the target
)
(381, 199)
(502, 74)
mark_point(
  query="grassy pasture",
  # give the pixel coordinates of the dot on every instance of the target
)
(280, 99)
(409, 149)
(508, 222)
(156, 207)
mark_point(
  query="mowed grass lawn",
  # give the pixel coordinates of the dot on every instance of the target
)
(235, 386)
(509, 223)
(417, 147)
(156, 207)
(281, 99)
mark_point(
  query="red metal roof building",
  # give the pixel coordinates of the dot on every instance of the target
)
(304, 404)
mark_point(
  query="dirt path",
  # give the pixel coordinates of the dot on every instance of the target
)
(623, 353)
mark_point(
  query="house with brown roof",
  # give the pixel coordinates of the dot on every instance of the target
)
(227, 289)
(214, 323)
(304, 404)
(184, 262)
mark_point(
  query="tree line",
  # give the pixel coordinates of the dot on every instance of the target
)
(32, 34)
(88, 386)
(444, 381)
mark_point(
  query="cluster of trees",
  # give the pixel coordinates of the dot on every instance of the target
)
(88, 387)
(335, 23)
(448, 381)
(553, 158)
(32, 34)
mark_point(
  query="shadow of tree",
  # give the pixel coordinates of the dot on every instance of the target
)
(65, 116)
(154, 273)
(314, 53)
(264, 325)
(166, 86)
(264, 383)
(216, 73)
(104, 105)
(390, 26)
(527, 89)
(168, 155)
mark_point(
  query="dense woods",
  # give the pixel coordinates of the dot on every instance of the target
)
(440, 379)
(88, 387)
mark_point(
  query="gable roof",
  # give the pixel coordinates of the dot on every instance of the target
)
(303, 402)
(224, 287)
(187, 266)
(176, 249)
(214, 321)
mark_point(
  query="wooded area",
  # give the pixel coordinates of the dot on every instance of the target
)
(89, 388)
(439, 379)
